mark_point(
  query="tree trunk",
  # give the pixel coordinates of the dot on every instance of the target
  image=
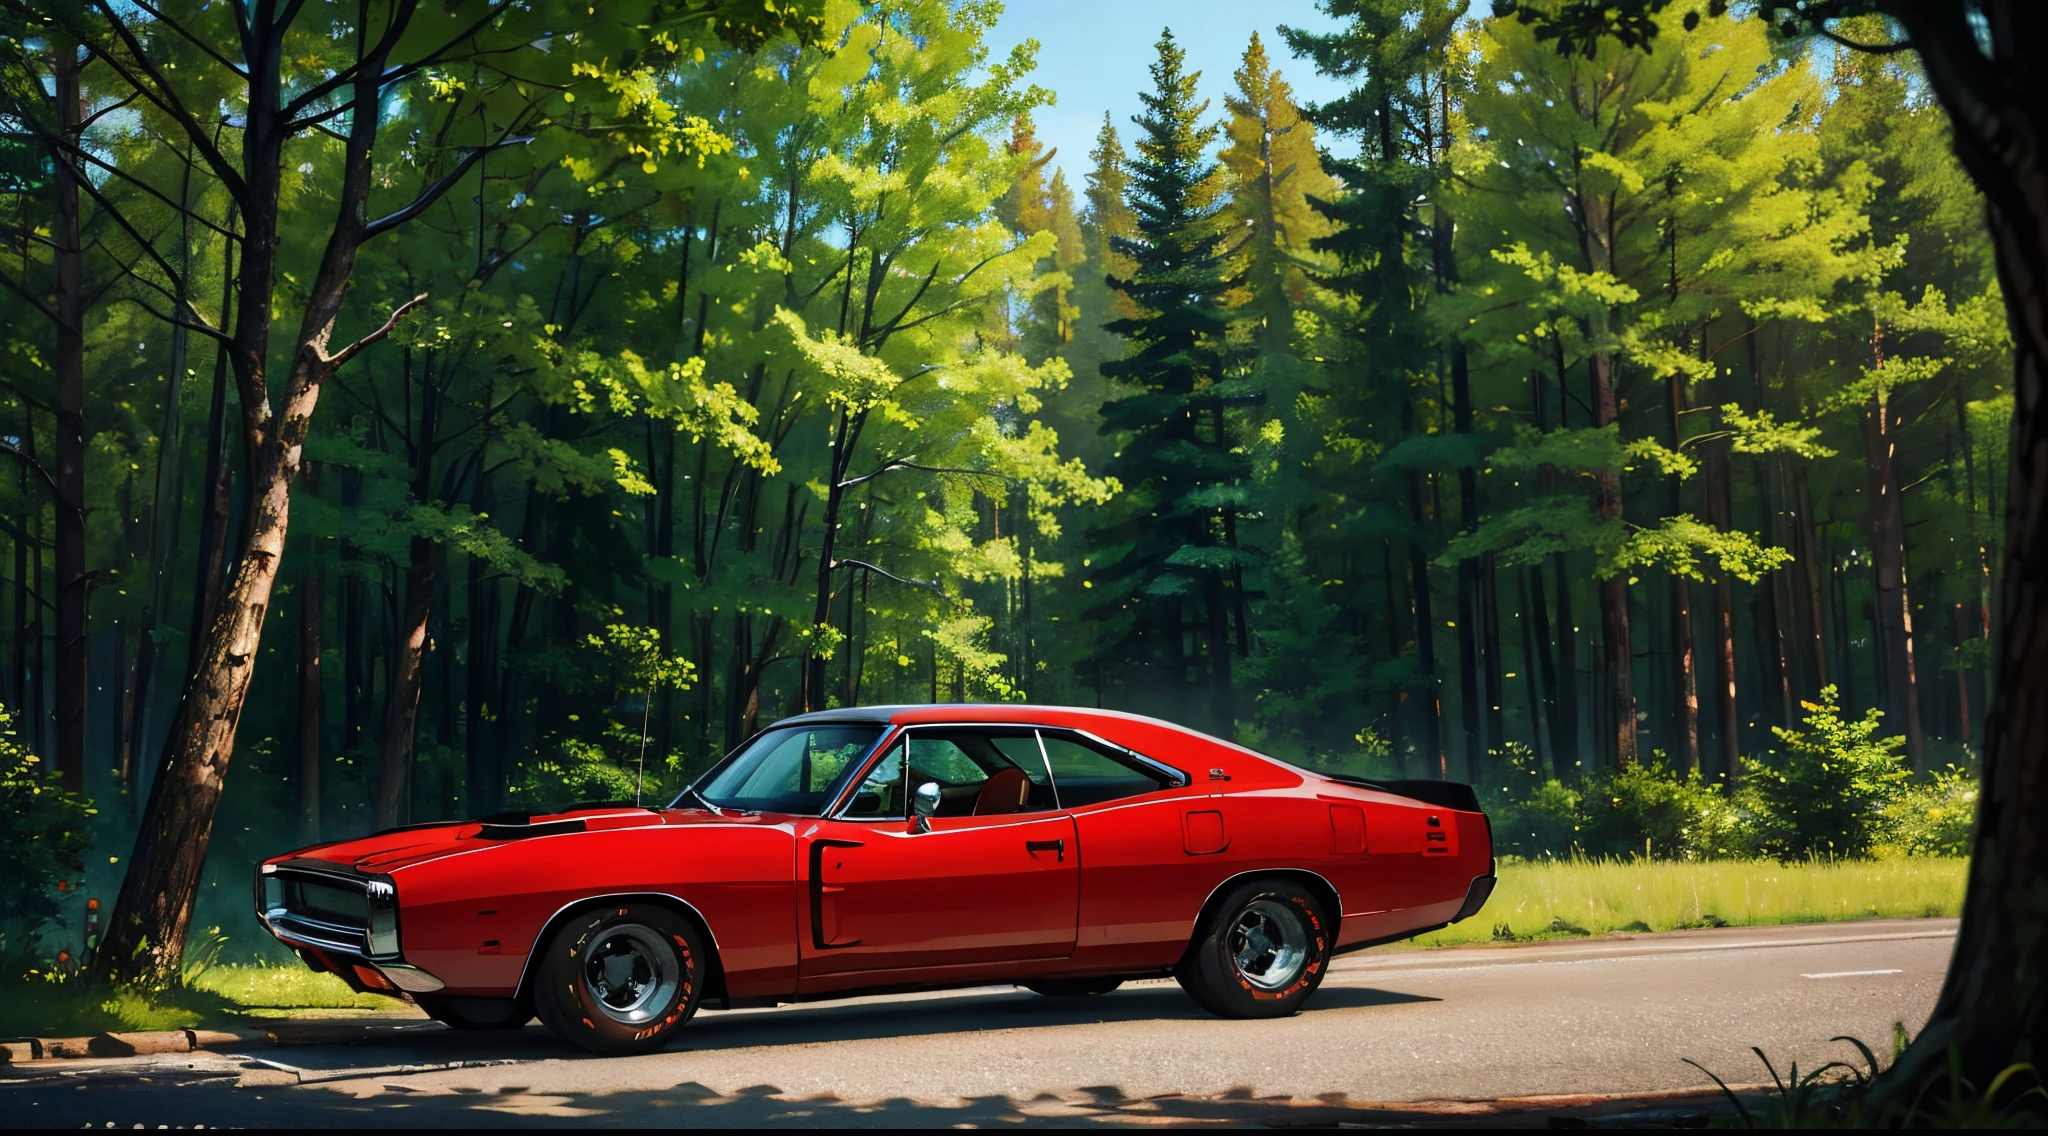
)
(145, 938)
(1490, 678)
(1993, 1008)
(1617, 650)
(1425, 626)
(1536, 680)
(393, 802)
(1684, 671)
(1726, 705)
(68, 365)
(1816, 567)
(311, 604)
(1898, 682)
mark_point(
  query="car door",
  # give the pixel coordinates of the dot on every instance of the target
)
(977, 886)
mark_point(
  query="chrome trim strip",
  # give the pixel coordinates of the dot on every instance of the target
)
(548, 924)
(1184, 778)
(277, 913)
(355, 879)
(1046, 759)
(1181, 778)
(290, 936)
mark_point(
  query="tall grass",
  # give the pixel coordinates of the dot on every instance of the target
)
(62, 1005)
(1565, 898)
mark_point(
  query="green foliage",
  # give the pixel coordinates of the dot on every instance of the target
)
(577, 772)
(1644, 810)
(1935, 817)
(43, 829)
(1858, 1096)
(1825, 789)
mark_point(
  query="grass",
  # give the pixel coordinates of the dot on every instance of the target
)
(1552, 899)
(219, 996)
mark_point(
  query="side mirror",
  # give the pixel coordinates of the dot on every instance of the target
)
(924, 802)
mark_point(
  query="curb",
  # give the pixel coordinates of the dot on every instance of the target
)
(22, 1049)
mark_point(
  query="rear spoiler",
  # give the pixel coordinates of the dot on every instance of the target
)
(1444, 794)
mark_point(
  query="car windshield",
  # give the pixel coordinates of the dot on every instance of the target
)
(790, 769)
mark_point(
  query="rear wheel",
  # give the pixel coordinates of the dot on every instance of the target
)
(620, 979)
(1262, 954)
(475, 1013)
(1073, 987)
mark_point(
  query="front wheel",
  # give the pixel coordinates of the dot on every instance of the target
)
(1261, 955)
(620, 979)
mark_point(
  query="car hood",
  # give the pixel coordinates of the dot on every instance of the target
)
(396, 848)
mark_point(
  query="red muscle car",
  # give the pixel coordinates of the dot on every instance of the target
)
(895, 848)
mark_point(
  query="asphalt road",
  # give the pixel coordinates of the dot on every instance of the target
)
(1612, 1016)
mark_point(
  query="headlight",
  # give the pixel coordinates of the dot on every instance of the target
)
(383, 930)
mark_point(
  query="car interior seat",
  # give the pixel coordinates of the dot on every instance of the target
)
(1005, 792)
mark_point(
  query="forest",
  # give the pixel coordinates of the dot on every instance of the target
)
(436, 410)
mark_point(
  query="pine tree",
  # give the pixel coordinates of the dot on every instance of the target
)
(1274, 173)
(1166, 561)
(1385, 249)
(1109, 215)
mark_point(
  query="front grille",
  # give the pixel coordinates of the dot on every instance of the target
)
(345, 913)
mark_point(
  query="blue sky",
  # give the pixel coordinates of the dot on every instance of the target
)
(1094, 54)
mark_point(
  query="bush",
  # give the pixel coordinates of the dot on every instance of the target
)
(1827, 789)
(1645, 809)
(43, 829)
(580, 772)
(1648, 809)
(1932, 818)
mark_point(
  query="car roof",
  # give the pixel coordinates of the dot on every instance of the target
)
(1155, 738)
(921, 713)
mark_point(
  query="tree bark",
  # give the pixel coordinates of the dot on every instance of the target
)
(1617, 651)
(145, 938)
(1993, 1008)
(1425, 627)
(392, 804)
(1528, 605)
(1685, 673)
(68, 365)
(311, 603)
(1470, 651)
(1726, 705)
(1898, 683)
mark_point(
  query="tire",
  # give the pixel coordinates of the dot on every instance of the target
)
(621, 979)
(1073, 987)
(1261, 954)
(475, 1013)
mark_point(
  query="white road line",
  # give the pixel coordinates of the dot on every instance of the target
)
(1850, 973)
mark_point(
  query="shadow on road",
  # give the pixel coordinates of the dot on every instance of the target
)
(386, 1102)
(713, 1031)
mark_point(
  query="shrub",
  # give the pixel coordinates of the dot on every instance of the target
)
(1644, 809)
(1647, 809)
(1932, 818)
(43, 829)
(579, 772)
(1827, 789)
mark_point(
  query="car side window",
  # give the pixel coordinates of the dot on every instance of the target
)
(1087, 774)
(985, 771)
(881, 795)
